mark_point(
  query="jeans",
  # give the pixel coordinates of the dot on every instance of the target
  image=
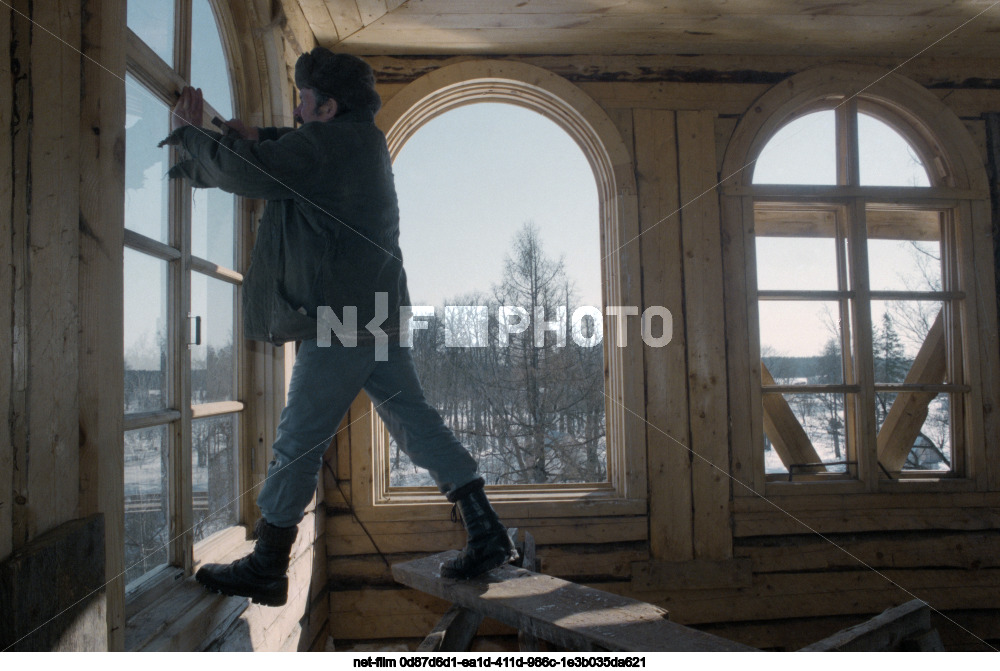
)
(325, 381)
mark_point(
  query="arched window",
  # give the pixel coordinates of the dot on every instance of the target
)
(562, 140)
(499, 211)
(860, 325)
(182, 278)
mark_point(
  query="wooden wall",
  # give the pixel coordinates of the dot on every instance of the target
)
(62, 186)
(739, 567)
(60, 218)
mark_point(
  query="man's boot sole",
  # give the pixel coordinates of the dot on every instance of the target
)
(273, 597)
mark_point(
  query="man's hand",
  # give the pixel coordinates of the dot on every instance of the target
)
(189, 109)
(247, 133)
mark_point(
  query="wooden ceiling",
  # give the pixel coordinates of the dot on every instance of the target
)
(827, 28)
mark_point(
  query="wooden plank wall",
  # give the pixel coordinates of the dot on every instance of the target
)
(6, 296)
(44, 232)
(61, 195)
(102, 183)
(61, 286)
(742, 569)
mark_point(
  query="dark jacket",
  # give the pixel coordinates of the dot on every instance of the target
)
(329, 235)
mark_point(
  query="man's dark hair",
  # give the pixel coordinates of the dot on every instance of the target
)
(345, 78)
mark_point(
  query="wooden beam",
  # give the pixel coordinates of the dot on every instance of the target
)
(784, 431)
(564, 613)
(668, 435)
(909, 409)
(6, 294)
(704, 319)
(453, 633)
(698, 574)
(527, 642)
(880, 550)
(295, 27)
(102, 202)
(887, 631)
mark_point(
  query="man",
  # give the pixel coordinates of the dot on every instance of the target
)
(328, 240)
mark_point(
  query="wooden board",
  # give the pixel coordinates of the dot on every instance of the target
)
(885, 631)
(785, 432)
(698, 574)
(453, 632)
(562, 612)
(102, 202)
(971, 550)
(668, 435)
(906, 417)
(822, 594)
(6, 299)
(345, 536)
(52, 591)
(704, 320)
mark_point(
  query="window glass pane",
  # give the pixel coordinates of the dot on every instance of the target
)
(485, 191)
(213, 226)
(214, 471)
(146, 185)
(146, 500)
(153, 22)
(802, 264)
(146, 351)
(903, 341)
(885, 158)
(926, 443)
(803, 430)
(904, 250)
(213, 362)
(803, 151)
(800, 341)
(208, 61)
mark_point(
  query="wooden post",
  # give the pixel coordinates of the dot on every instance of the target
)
(6, 292)
(44, 268)
(909, 409)
(102, 200)
(704, 318)
(667, 434)
(527, 642)
(784, 430)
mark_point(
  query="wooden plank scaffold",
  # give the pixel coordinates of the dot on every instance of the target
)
(576, 617)
(568, 615)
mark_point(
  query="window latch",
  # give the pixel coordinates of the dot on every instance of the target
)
(194, 330)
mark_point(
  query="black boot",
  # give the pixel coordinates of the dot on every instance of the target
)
(488, 544)
(261, 574)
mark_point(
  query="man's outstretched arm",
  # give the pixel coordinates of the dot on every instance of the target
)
(269, 169)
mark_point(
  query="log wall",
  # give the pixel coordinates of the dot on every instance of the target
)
(737, 566)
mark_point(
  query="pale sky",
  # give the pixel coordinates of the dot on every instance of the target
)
(469, 179)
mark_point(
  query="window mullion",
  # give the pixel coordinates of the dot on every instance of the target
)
(181, 514)
(848, 161)
(182, 40)
(864, 363)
